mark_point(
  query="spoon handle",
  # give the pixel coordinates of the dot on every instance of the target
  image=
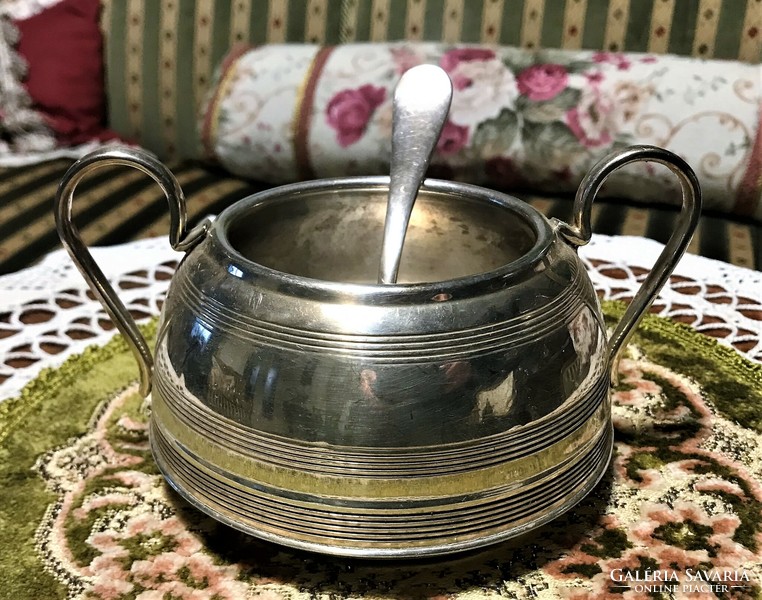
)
(421, 103)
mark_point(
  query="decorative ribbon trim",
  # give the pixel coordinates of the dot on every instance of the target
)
(300, 125)
(750, 191)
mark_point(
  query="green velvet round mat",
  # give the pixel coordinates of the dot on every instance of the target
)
(85, 514)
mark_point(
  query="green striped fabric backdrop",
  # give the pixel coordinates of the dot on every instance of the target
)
(160, 56)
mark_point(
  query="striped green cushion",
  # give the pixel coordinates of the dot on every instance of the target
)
(111, 206)
(160, 56)
(116, 204)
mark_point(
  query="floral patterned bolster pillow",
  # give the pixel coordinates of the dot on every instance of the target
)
(519, 119)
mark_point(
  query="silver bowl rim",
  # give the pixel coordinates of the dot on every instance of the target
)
(282, 280)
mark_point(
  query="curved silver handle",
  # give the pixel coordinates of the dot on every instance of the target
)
(179, 238)
(579, 233)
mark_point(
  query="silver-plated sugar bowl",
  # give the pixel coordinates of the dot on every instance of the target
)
(296, 399)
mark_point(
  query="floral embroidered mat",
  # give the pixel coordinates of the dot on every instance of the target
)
(84, 512)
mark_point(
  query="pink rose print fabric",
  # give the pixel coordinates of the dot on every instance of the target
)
(542, 82)
(452, 58)
(453, 139)
(590, 120)
(349, 111)
(535, 120)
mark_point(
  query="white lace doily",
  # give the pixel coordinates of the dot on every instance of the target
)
(47, 312)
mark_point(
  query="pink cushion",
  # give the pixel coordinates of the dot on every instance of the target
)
(63, 48)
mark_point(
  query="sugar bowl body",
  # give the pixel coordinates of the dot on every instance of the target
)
(297, 400)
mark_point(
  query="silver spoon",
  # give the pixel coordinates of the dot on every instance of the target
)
(421, 103)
